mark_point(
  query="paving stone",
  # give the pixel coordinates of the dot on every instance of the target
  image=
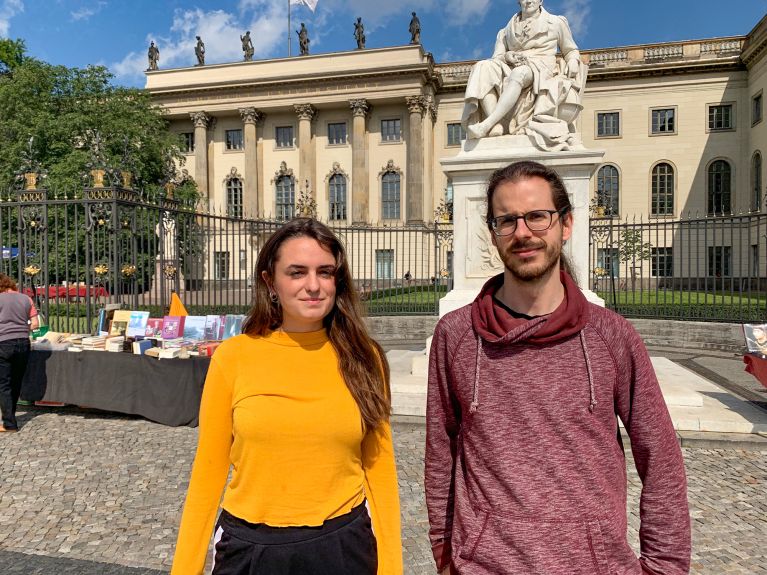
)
(90, 493)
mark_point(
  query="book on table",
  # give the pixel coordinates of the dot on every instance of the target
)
(756, 337)
(120, 322)
(137, 323)
(233, 325)
(194, 327)
(141, 346)
(173, 326)
(153, 327)
(214, 327)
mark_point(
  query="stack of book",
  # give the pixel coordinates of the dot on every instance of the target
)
(94, 342)
(115, 343)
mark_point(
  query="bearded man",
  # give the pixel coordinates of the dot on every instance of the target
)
(525, 467)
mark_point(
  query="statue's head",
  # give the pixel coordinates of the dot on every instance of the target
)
(197, 37)
(413, 13)
(530, 7)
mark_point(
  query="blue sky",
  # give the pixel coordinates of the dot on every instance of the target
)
(117, 33)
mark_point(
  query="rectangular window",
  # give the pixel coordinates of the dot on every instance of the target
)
(337, 133)
(187, 142)
(391, 130)
(455, 134)
(719, 261)
(720, 117)
(662, 262)
(608, 124)
(244, 260)
(221, 265)
(608, 259)
(755, 267)
(663, 120)
(283, 135)
(234, 140)
(385, 264)
(756, 109)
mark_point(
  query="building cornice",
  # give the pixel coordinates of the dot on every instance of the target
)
(756, 44)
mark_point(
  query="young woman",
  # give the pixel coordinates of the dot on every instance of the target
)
(298, 407)
(17, 316)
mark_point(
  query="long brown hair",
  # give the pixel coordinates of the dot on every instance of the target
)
(7, 283)
(520, 171)
(361, 360)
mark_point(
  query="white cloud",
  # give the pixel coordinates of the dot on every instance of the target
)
(577, 13)
(219, 30)
(8, 9)
(86, 12)
(463, 11)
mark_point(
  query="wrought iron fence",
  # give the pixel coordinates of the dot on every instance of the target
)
(696, 268)
(75, 252)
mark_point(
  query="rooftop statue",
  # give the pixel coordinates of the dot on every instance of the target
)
(359, 34)
(524, 89)
(199, 51)
(415, 30)
(247, 46)
(303, 39)
(153, 54)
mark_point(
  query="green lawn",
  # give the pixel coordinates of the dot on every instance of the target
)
(682, 298)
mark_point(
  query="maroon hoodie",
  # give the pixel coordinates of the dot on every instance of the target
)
(525, 474)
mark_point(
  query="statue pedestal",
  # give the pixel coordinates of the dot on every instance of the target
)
(475, 259)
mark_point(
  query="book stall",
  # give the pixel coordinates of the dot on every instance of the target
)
(134, 364)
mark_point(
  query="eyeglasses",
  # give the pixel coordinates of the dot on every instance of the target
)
(536, 221)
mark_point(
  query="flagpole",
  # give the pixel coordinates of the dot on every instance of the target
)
(288, 28)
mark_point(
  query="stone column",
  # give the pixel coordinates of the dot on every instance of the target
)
(306, 113)
(250, 118)
(416, 105)
(201, 122)
(360, 196)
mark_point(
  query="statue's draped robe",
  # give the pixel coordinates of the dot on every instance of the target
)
(550, 104)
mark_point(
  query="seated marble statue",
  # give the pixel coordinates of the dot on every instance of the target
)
(524, 88)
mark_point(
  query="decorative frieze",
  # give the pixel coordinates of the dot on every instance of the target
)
(608, 56)
(721, 47)
(664, 52)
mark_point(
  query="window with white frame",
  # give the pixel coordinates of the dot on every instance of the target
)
(234, 198)
(234, 140)
(385, 264)
(662, 262)
(455, 134)
(663, 121)
(608, 124)
(756, 182)
(662, 200)
(337, 133)
(337, 197)
(608, 190)
(390, 196)
(391, 130)
(285, 189)
(719, 261)
(609, 260)
(720, 117)
(283, 136)
(221, 265)
(187, 142)
(719, 188)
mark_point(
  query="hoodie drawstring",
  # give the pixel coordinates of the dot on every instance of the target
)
(593, 402)
(475, 390)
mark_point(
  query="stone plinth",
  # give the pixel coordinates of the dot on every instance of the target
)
(475, 259)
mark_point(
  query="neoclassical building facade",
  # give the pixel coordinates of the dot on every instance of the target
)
(363, 131)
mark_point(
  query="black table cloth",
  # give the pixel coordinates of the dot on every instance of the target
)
(167, 391)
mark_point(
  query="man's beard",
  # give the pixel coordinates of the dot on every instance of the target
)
(528, 271)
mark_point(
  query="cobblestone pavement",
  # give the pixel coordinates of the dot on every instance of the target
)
(94, 494)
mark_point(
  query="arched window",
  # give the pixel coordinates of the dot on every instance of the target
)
(234, 198)
(390, 196)
(608, 187)
(662, 190)
(719, 186)
(286, 198)
(337, 197)
(756, 182)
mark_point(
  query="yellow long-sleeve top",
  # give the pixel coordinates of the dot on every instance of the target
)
(276, 409)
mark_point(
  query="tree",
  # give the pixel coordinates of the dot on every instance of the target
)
(11, 55)
(633, 250)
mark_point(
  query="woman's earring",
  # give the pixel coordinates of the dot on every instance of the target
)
(273, 297)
